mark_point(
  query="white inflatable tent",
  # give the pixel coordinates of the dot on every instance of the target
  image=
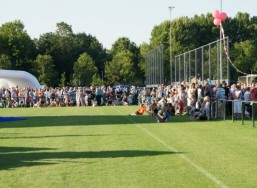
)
(13, 78)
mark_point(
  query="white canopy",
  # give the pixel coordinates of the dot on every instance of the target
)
(13, 78)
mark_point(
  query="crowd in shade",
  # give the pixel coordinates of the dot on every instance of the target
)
(68, 96)
(197, 101)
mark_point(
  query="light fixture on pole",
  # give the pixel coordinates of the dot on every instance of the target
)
(170, 8)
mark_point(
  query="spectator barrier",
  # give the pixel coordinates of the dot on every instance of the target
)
(221, 109)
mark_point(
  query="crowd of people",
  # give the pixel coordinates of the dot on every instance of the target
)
(67, 96)
(199, 102)
(195, 100)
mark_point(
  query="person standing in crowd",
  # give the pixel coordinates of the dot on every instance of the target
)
(59, 97)
(191, 96)
(159, 93)
(253, 96)
(78, 97)
(199, 96)
(108, 93)
(21, 97)
(98, 93)
(181, 96)
(47, 95)
(253, 93)
(227, 92)
(248, 108)
(13, 96)
(35, 97)
(220, 97)
(213, 91)
(125, 96)
(2, 98)
(237, 102)
(118, 94)
(207, 107)
(153, 93)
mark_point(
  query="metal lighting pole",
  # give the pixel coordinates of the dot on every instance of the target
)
(170, 8)
(102, 78)
(220, 78)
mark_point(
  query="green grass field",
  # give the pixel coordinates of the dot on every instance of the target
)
(105, 147)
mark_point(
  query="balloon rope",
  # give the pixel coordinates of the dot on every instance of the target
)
(226, 52)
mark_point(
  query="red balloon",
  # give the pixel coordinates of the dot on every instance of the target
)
(217, 21)
(216, 14)
(223, 16)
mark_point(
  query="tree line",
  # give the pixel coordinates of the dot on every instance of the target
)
(63, 58)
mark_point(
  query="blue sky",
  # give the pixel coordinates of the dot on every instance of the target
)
(110, 19)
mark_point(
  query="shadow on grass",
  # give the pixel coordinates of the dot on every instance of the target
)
(11, 158)
(56, 136)
(49, 121)
(20, 149)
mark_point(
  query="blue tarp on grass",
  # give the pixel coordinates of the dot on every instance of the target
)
(4, 119)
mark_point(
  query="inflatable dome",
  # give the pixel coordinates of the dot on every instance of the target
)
(13, 78)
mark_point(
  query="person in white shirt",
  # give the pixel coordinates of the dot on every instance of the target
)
(237, 102)
(248, 109)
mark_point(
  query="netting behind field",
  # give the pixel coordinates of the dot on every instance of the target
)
(208, 62)
(154, 67)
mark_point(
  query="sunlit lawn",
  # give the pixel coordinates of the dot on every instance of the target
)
(105, 147)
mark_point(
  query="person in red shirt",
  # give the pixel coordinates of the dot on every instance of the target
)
(253, 93)
(253, 97)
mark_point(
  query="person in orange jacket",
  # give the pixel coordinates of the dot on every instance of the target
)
(140, 111)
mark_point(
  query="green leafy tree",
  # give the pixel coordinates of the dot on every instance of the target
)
(120, 69)
(65, 47)
(64, 30)
(191, 33)
(62, 46)
(17, 45)
(90, 45)
(5, 62)
(97, 80)
(84, 69)
(63, 80)
(123, 44)
(245, 56)
(46, 72)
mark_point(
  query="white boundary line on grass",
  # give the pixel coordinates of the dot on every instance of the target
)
(182, 156)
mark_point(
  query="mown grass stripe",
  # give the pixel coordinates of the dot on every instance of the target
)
(181, 155)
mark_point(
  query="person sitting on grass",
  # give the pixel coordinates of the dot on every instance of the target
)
(161, 116)
(94, 102)
(140, 111)
(193, 111)
(207, 104)
(53, 103)
(204, 113)
(168, 111)
(151, 109)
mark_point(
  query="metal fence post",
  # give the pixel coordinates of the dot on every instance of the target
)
(233, 111)
(253, 112)
(224, 109)
(243, 111)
